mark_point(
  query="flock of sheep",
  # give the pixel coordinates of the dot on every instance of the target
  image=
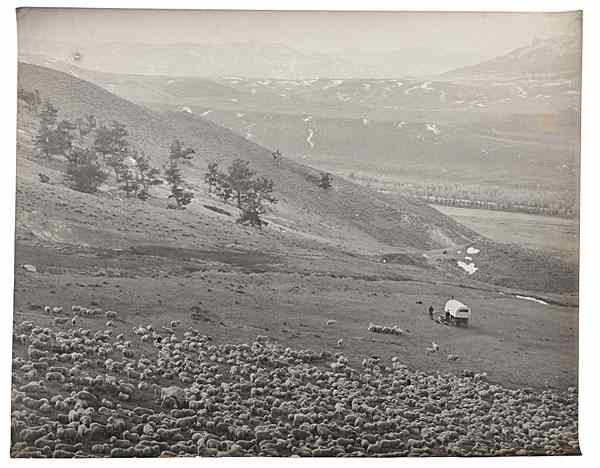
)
(84, 393)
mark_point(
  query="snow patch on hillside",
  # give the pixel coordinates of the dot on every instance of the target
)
(532, 299)
(309, 138)
(424, 86)
(332, 84)
(433, 128)
(470, 268)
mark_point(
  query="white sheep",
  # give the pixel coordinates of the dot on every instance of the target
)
(110, 314)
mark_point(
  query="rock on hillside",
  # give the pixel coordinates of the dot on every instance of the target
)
(349, 214)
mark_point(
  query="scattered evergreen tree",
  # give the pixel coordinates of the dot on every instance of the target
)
(131, 184)
(178, 152)
(43, 140)
(48, 114)
(52, 140)
(223, 189)
(147, 175)
(31, 98)
(85, 126)
(262, 189)
(251, 213)
(112, 144)
(239, 178)
(63, 137)
(174, 178)
(181, 196)
(112, 141)
(84, 174)
(172, 173)
(212, 176)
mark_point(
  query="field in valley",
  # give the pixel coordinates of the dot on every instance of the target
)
(555, 236)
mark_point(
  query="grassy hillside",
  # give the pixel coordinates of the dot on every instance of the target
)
(348, 215)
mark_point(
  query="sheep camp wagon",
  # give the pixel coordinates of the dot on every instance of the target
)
(459, 313)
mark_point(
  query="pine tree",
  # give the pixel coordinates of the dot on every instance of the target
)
(178, 152)
(172, 173)
(240, 179)
(181, 196)
(212, 175)
(48, 114)
(147, 175)
(84, 174)
(112, 144)
(251, 213)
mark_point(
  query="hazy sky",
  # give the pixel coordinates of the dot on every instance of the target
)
(471, 37)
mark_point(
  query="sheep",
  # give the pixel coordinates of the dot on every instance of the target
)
(331, 322)
(55, 377)
(110, 314)
(340, 342)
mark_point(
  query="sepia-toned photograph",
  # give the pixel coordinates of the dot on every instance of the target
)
(296, 233)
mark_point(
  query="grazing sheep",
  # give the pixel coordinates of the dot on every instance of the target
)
(110, 314)
(263, 398)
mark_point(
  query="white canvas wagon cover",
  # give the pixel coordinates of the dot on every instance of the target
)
(457, 308)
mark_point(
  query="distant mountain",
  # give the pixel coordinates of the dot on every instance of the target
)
(560, 55)
(199, 60)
